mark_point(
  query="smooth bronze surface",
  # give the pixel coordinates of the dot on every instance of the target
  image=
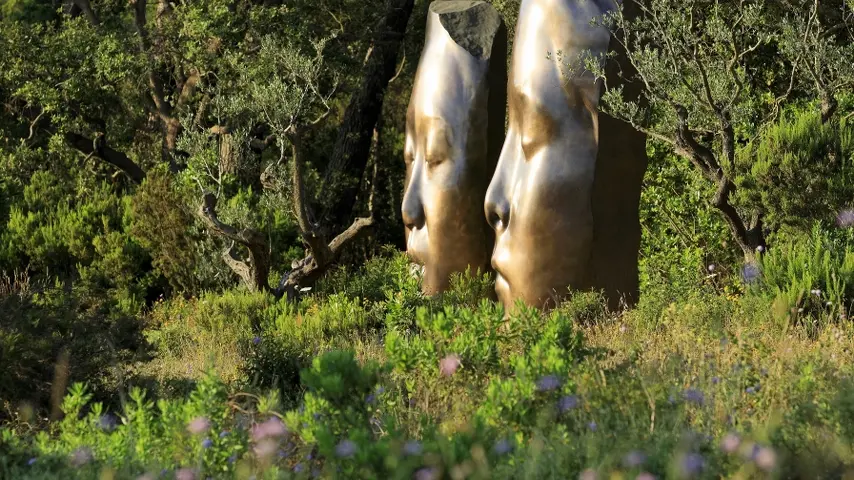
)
(540, 200)
(454, 133)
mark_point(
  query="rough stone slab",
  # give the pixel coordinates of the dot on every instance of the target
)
(472, 24)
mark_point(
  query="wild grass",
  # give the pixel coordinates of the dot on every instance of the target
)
(377, 381)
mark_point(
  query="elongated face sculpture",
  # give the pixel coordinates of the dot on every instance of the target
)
(540, 200)
(454, 132)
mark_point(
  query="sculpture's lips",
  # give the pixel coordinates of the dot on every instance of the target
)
(502, 288)
(416, 246)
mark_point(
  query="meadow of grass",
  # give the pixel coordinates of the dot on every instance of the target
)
(742, 377)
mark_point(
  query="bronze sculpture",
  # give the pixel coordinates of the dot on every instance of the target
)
(454, 132)
(550, 236)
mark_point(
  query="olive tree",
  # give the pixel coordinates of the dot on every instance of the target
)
(717, 74)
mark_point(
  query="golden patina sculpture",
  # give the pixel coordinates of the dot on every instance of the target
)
(541, 198)
(454, 132)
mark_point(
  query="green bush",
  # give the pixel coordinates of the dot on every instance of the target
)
(684, 243)
(810, 276)
(50, 334)
(798, 172)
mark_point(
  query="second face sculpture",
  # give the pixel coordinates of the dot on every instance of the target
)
(540, 198)
(454, 133)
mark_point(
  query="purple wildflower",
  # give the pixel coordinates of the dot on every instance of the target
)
(346, 448)
(645, 476)
(32, 461)
(693, 395)
(750, 390)
(547, 383)
(223, 434)
(845, 218)
(265, 448)
(569, 402)
(750, 273)
(730, 443)
(502, 446)
(371, 398)
(412, 447)
(766, 459)
(207, 443)
(298, 468)
(634, 459)
(427, 473)
(754, 451)
(185, 474)
(256, 340)
(107, 422)
(199, 425)
(692, 464)
(588, 474)
(232, 458)
(271, 428)
(592, 426)
(81, 456)
(449, 365)
(715, 380)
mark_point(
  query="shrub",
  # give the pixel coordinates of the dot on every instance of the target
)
(809, 276)
(799, 171)
(52, 334)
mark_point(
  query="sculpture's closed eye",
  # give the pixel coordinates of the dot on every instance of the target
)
(437, 148)
(537, 127)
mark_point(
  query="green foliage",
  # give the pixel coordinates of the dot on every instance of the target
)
(47, 328)
(799, 171)
(164, 228)
(533, 399)
(363, 376)
(810, 275)
(682, 235)
(716, 76)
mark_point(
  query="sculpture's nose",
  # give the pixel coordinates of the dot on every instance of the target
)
(413, 206)
(497, 203)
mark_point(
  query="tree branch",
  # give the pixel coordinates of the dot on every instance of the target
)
(309, 232)
(171, 125)
(352, 146)
(86, 8)
(98, 148)
(254, 271)
(699, 154)
(731, 216)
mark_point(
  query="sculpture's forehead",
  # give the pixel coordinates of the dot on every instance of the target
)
(561, 25)
(545, 29)
(446, 84)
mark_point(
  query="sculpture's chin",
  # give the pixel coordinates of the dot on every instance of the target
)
(502, 290)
